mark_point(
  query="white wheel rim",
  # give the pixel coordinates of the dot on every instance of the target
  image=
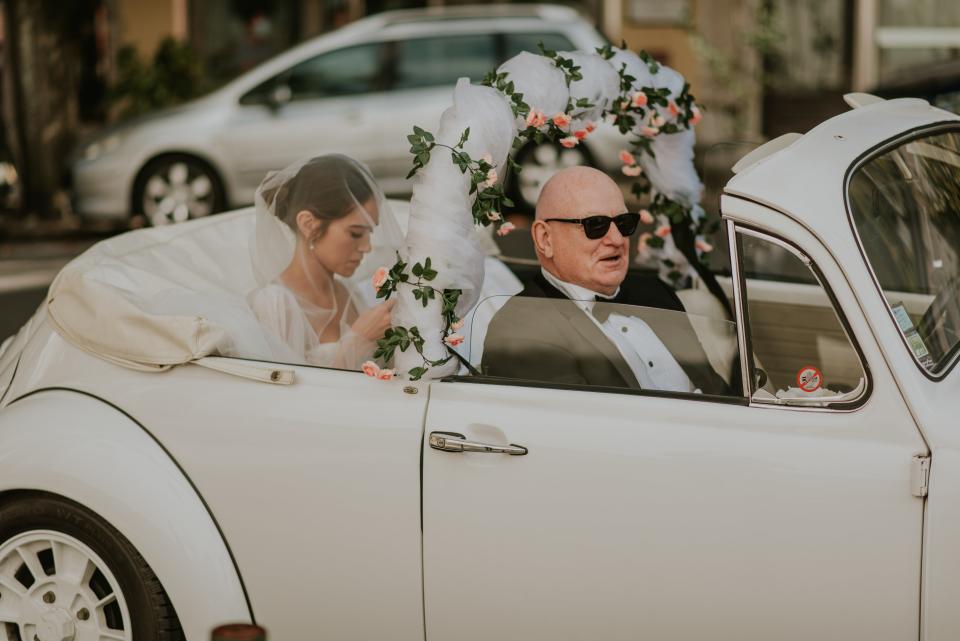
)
(176, 193)
(540, 165)
(55, 588)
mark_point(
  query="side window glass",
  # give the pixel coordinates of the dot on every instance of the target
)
(514, 43)
(344, 72)
(432, 62)
(605, 345)
(801, 352)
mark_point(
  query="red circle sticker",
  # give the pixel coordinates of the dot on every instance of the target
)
(809, 379)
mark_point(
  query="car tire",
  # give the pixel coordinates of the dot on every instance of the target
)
(175, 188)
(82, 561)
(537, 164)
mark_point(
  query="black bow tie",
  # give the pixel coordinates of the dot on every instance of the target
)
(602, 307)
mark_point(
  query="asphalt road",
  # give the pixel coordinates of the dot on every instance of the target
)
(26, 271)
(17, 307)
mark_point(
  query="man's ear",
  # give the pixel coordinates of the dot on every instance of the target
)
(307, 223)
(541, 238)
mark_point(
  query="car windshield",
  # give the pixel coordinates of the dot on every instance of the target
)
(905, 205)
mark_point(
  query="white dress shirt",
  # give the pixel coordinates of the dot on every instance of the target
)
(646, 355)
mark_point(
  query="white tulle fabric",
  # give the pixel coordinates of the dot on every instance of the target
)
(441, 224)
(440, 215)
(599, 85)
(297, 300)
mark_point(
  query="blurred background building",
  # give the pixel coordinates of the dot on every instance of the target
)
(761, 67)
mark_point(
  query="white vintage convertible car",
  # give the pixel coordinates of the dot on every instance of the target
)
(818, 498)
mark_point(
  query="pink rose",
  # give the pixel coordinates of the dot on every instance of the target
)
(648, 131)
(505, 229)
(493, 215)
(639, 99)
(385, 375)
(673, 109)
(370, 368)
(590, 126)
(457, 324)
(662, 231)
(657, 121)
(380, 277)
(642, 247)
(631, 170)
(580, 134)
(561, 120)
(491, 179)
(453, 340)
(569, 142)
(536, 119)
(646, 217)
(703, 246)
(695, 116)
(627, 158)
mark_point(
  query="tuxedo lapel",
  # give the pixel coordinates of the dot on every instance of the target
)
(585, 327)
(597, 339)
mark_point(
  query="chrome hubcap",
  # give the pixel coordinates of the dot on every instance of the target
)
(176, 193)
(55, 588)
(538, 166)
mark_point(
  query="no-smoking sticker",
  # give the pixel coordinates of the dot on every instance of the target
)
(809, 379)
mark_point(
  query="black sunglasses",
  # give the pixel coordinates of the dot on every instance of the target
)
(596, 226)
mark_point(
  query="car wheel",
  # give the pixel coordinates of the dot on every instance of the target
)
(176, 188)
(537, 164)
(67, 574)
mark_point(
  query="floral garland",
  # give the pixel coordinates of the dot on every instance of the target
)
(628, 109)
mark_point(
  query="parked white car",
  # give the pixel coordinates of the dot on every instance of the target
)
(817, 499)
(358, 90)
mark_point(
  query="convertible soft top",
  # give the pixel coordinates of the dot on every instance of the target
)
(156, 298)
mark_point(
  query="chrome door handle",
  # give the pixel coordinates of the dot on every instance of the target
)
(453, 442)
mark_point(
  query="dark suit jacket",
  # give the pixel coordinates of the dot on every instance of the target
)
(554, 341)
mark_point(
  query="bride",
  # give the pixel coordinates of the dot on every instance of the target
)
(332, 214)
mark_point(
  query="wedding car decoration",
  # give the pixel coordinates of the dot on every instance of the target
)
(557, 97)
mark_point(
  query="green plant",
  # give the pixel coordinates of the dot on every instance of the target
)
(175, 75)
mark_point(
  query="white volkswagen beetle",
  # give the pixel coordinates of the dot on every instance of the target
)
(818, 499)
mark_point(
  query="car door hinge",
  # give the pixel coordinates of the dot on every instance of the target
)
(920, 475)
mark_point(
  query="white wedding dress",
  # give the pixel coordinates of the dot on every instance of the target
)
(281, 315)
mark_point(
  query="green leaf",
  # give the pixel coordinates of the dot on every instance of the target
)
(417, 130)
(416, 373)
(417, 270)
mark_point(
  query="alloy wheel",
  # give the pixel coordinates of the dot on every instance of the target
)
(542, 162)
(53, 587)
(178, 191)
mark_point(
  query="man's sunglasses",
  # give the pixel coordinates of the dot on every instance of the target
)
(596, 226)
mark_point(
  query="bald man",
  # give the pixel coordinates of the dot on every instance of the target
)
(578, 322)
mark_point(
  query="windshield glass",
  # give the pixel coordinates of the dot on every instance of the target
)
(905, 205)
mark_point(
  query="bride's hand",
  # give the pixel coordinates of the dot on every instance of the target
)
(372, 323)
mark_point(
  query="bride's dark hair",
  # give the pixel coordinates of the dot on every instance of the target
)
(329, 187)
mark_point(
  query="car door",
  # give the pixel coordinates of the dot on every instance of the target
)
(660, 515)
(329, 103)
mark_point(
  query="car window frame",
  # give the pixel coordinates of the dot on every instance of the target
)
(915, 133)
(741, 305)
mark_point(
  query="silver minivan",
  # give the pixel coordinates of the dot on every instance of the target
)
(358, 90)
